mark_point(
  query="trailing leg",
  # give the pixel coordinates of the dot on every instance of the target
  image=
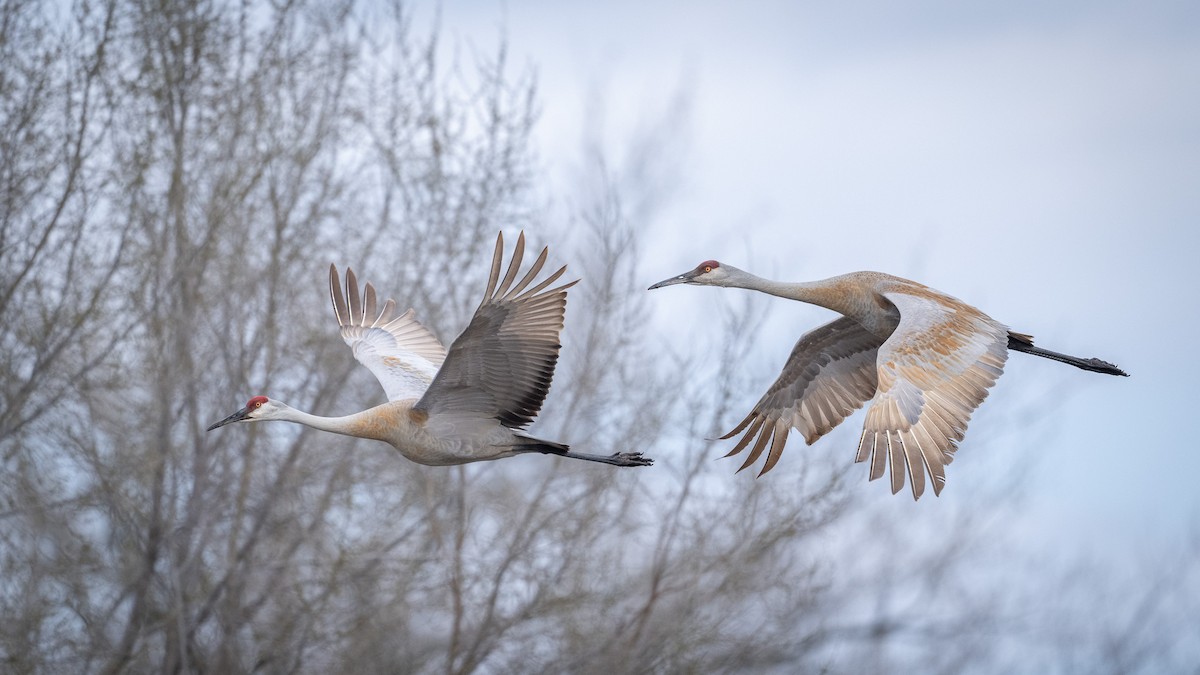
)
(526, 444)
(1024, 343)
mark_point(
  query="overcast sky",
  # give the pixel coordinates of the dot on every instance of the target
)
(1038, 160)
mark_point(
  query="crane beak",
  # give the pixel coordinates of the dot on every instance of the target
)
(685, 278)
(235, 417)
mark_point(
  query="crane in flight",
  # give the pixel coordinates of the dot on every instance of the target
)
(467, 404)
(924, 360)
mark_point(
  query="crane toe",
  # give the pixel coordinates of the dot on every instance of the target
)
(631, 459)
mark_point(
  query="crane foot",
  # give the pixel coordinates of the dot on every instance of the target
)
(631, 459)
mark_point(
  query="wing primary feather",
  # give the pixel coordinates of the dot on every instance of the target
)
(530, 275)
(896, 457)
(409, 313)
(781, 434)
(736, 430)
(863, 451)
(386, 314)
(494, 275)
(879, 456)
(335, 292)
(513, 265)
(932, 458)
(763, 437)
(355, 301)
(370, 307)
(750, 433)
(916, 464)
(546, 282)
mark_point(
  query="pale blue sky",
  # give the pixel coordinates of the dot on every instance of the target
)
(1040, 162)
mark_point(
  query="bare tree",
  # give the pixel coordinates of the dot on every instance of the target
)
(50, 129)
(175, 179)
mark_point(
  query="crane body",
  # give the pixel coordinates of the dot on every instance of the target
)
(923, 359)
(466, 404)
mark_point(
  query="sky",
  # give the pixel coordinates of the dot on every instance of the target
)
(1037, 160)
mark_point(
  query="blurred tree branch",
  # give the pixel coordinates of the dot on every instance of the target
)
(174, 181)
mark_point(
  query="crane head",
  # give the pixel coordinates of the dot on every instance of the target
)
(255, 409)
(706, 273)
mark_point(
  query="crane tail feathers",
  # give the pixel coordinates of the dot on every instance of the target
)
(529, 444)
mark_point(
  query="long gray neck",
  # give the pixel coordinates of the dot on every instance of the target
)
(826, 293)
(349, 425)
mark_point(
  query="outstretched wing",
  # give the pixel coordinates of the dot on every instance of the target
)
(402, 354)
(830, 374)
(502, 364)
(934, 371)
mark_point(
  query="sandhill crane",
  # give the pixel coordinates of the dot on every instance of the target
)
(465, 405)
(925, 361)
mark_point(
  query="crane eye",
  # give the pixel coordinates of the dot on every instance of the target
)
(708, 268)
(258, 405)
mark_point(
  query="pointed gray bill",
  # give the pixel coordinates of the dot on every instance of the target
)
(681, 279)
(235, 417)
